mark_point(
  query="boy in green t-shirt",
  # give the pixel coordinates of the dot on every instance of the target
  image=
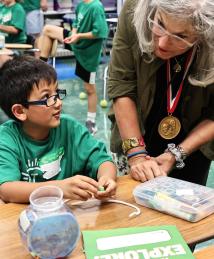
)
(89, 29)
(12, 22)
(39, 146)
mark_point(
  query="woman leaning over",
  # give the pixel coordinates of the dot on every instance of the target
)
(161, 81)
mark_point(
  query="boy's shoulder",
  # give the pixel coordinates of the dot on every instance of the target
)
(9, 128)
(18, 7)
(69, 120)
(69, 126)
(8, 124)
(96, 3)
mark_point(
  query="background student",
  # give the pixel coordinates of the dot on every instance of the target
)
(88, 32)
(12, 22)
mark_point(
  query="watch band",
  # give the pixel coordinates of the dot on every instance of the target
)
(179, 154)
(183, 153)
(141, 152)
(130, 143)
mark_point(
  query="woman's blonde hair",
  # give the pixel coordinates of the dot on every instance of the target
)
(200, 13)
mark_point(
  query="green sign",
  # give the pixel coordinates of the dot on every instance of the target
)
(159, 242)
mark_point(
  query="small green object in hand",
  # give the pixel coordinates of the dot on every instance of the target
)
(101, 189)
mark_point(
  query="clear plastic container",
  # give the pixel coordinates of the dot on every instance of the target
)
(47, 227)
(182, 199)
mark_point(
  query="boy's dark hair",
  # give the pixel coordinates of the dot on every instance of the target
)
(17, 78)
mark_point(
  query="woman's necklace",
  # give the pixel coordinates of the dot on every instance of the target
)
(170, 126)
(177, 67)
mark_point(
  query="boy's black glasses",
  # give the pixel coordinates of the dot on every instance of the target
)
(51, 100)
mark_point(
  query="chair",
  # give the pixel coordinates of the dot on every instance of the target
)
(53, 52)
(30, 41)
(104, 102)
(112, 22)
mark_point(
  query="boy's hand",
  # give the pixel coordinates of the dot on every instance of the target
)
(106, 189)
(74, 38)
(79, 187)
(44, 5)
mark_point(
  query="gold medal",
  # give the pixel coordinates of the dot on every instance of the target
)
(169, 127)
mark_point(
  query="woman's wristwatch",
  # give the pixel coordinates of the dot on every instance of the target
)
(179, 154)
(130, 143)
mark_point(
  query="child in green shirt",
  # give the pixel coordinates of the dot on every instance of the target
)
(89, 29)
(12, 22)
(39, 146)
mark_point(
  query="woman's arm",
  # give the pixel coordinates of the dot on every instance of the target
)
(122, 89)
(126, 117)
(142, 168)
(200, 135)
(122, 78)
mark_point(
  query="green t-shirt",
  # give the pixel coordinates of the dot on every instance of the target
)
(30, 5)
(14, 16)
(1, 6)
(90, 17)
(69, 150)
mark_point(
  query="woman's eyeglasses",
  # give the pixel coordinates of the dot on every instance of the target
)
(159, 30)
(51, 100)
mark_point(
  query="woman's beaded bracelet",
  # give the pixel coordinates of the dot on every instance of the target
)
(137, 153)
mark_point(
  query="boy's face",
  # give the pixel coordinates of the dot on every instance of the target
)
(40, 118)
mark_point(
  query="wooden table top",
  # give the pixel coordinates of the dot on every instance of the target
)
(93, 215)
(205, 253)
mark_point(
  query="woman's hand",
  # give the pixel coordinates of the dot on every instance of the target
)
(166, 162)
(78, 187)
(144, 168)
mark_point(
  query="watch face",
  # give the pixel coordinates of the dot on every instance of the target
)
(129, 143)
(134, 142)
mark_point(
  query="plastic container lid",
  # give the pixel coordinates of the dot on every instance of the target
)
(182, 199)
